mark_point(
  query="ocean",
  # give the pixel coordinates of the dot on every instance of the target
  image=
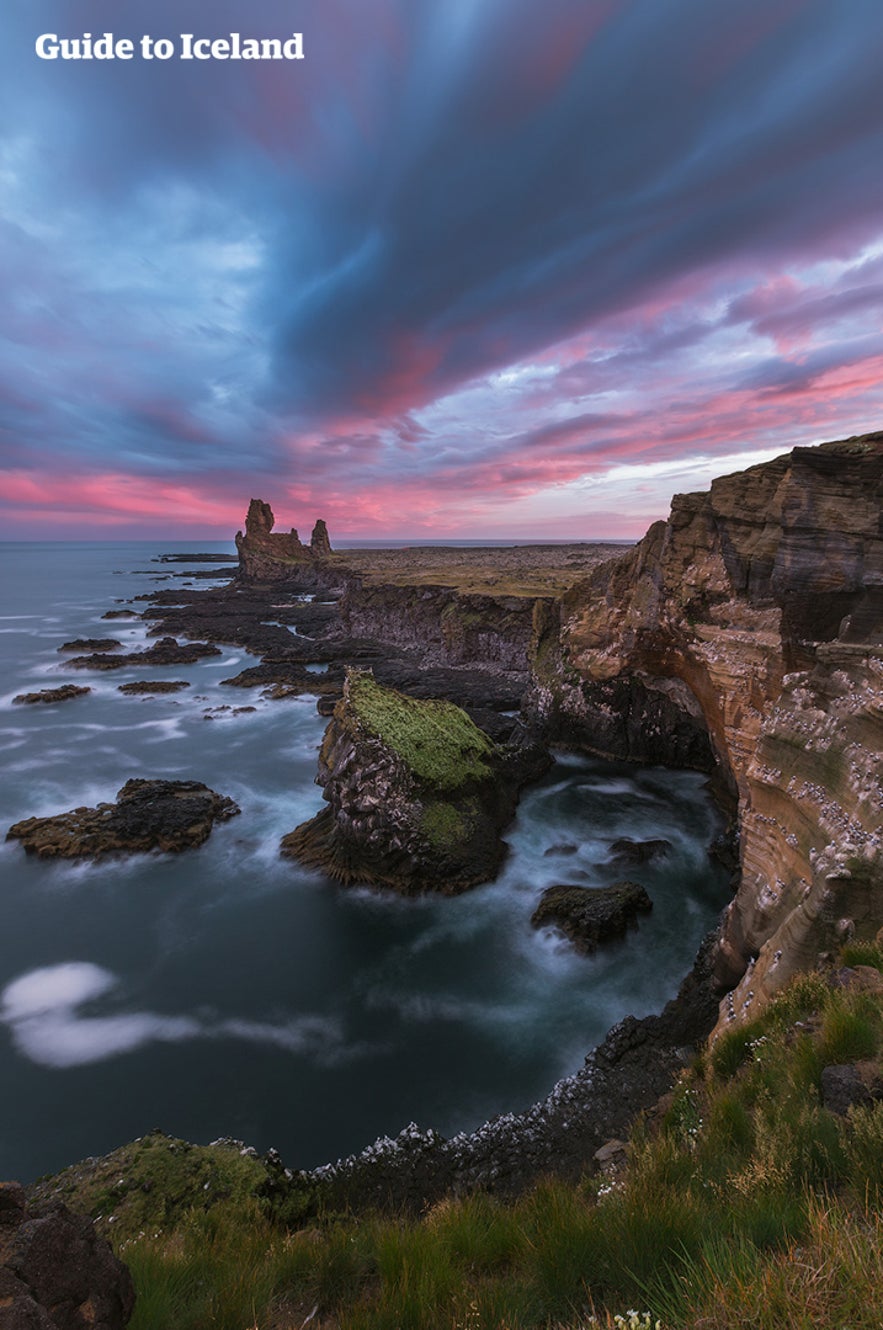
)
(228, 992)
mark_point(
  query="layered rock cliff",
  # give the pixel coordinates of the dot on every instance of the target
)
(745, 635)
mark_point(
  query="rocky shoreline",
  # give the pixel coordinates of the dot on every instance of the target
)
(743, 637)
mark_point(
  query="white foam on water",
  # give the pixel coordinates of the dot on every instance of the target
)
(41, 1011)
(53, 988)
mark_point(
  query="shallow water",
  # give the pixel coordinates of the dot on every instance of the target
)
(228, 992)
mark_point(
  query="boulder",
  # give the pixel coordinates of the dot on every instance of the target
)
(56, 1273)
(166, 815)
(627, 853)
(590, 916)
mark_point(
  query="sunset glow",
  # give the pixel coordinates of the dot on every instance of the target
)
(467, 269)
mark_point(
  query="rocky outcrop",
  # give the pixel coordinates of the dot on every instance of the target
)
(747, 632)
(56, 1273)
(417, 794)
(590, 916)
(319, 542)
(142, 687)
(50, 695)
(266, 555)
(167, 651)
(92, 644)
(166, 815)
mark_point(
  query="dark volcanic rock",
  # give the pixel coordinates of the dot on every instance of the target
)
(121, 614)
(590, 916)
(91, 644)
(61, 694)
(141, 686)
(626, 853)
(417, 794)
(167, 651)
(266, 555)
(56, 1273)
(167, 815)
(196, 558)
(319, 542)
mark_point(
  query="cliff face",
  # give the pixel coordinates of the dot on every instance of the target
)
(266, 555)
(747, 630)
(445, 626)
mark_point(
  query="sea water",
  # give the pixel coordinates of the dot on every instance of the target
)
(226, 991)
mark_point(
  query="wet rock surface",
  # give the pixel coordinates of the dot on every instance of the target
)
(49, 695)
(590, 916)
(165, 815)
(142, 687)
(56, 1273)
(167, 651)
(626, 853)
(92, 644)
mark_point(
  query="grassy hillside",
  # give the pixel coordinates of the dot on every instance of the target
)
(744, 1203)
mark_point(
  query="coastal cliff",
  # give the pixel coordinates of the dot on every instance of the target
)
(745, 635)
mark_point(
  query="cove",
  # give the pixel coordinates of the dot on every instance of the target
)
(228, 992)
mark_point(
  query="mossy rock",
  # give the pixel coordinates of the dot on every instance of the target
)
(436, 740)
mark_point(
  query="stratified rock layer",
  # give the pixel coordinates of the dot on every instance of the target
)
(749, 626)
(417, 794)
(166, 815)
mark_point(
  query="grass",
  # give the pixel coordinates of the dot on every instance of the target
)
(436, 740)
(748, 1204)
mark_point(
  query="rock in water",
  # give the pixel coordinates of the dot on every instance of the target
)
(417, 794)
(628, 853)
(50, 695)
(590, 916)
(56, 1273)
(167, 815)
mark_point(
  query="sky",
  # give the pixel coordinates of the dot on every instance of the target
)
(500, 268)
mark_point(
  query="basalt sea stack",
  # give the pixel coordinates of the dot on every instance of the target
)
(417, 794)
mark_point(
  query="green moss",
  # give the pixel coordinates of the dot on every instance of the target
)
(144, 1186)
(443, 826)
(436, 740)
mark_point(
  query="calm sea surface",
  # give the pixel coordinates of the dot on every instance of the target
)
(227, 992)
